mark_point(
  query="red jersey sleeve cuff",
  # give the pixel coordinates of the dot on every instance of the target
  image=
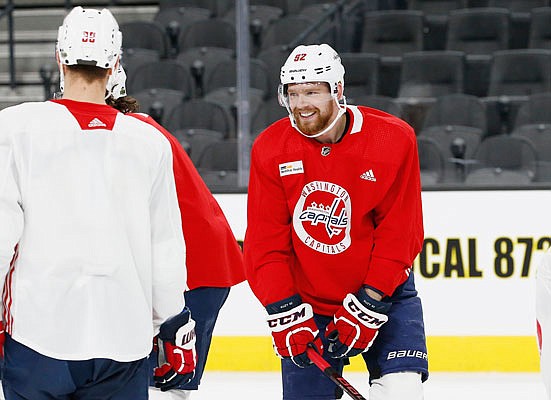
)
(386, 275)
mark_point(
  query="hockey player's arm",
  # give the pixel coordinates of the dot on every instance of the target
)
(267, 246)
(398, 235)
(11, 210)
(204, 224)
(168, 246)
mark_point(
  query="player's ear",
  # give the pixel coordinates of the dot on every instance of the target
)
(340, 91)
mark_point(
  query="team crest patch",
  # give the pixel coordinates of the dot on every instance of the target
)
(322, 217)
(291, 168)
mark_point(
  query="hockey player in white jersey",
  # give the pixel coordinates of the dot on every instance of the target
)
(91, 245)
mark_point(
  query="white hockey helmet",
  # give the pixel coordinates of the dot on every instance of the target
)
(313, 63)
(89, 37)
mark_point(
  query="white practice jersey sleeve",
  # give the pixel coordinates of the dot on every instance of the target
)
(11, 213)
(168, 272)
(88, 196)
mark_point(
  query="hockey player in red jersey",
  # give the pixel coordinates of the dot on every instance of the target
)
(334, 224)
(214, 261)
(88, 199)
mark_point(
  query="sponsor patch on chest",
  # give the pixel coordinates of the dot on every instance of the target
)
(291, 168)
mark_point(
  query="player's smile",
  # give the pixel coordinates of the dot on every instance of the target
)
(306, 115)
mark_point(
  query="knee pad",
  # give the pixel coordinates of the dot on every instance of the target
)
(397, 386)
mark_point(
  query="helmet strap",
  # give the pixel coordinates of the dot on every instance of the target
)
(61, 79)
(60, 67)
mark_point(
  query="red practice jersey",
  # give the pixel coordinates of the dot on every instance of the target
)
(213, 256)
(325, 219)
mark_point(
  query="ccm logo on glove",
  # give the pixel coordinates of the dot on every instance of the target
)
(355, 325)
(296, 316)
(293, 330)
(371, 321)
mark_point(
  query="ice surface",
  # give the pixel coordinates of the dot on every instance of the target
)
(440, 386)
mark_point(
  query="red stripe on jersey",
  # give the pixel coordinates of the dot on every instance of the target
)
(540, 337)
(6, 294)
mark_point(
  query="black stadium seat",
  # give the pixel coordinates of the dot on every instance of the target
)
(432, 73)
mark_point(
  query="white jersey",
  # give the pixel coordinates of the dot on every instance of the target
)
(87, 195)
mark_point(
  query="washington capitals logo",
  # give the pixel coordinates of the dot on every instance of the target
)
(326, 215)
(321, 218)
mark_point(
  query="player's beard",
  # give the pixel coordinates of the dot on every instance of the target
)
(319, 121)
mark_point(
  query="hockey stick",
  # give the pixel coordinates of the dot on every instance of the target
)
(332, 374)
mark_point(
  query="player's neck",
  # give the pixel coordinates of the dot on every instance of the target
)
(335, 133)
(80, 90)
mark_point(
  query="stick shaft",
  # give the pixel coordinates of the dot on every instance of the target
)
(332, 374)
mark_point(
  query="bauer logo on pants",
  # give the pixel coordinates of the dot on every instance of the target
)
(407, 354)
(321, 218)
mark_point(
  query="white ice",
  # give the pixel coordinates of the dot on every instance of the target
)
(440, 386)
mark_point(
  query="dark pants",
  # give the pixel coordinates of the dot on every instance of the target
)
(28, 375)
(399, 347)
(205, 304)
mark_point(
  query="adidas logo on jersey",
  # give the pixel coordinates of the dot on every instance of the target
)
(368, 176)
(96, 123)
